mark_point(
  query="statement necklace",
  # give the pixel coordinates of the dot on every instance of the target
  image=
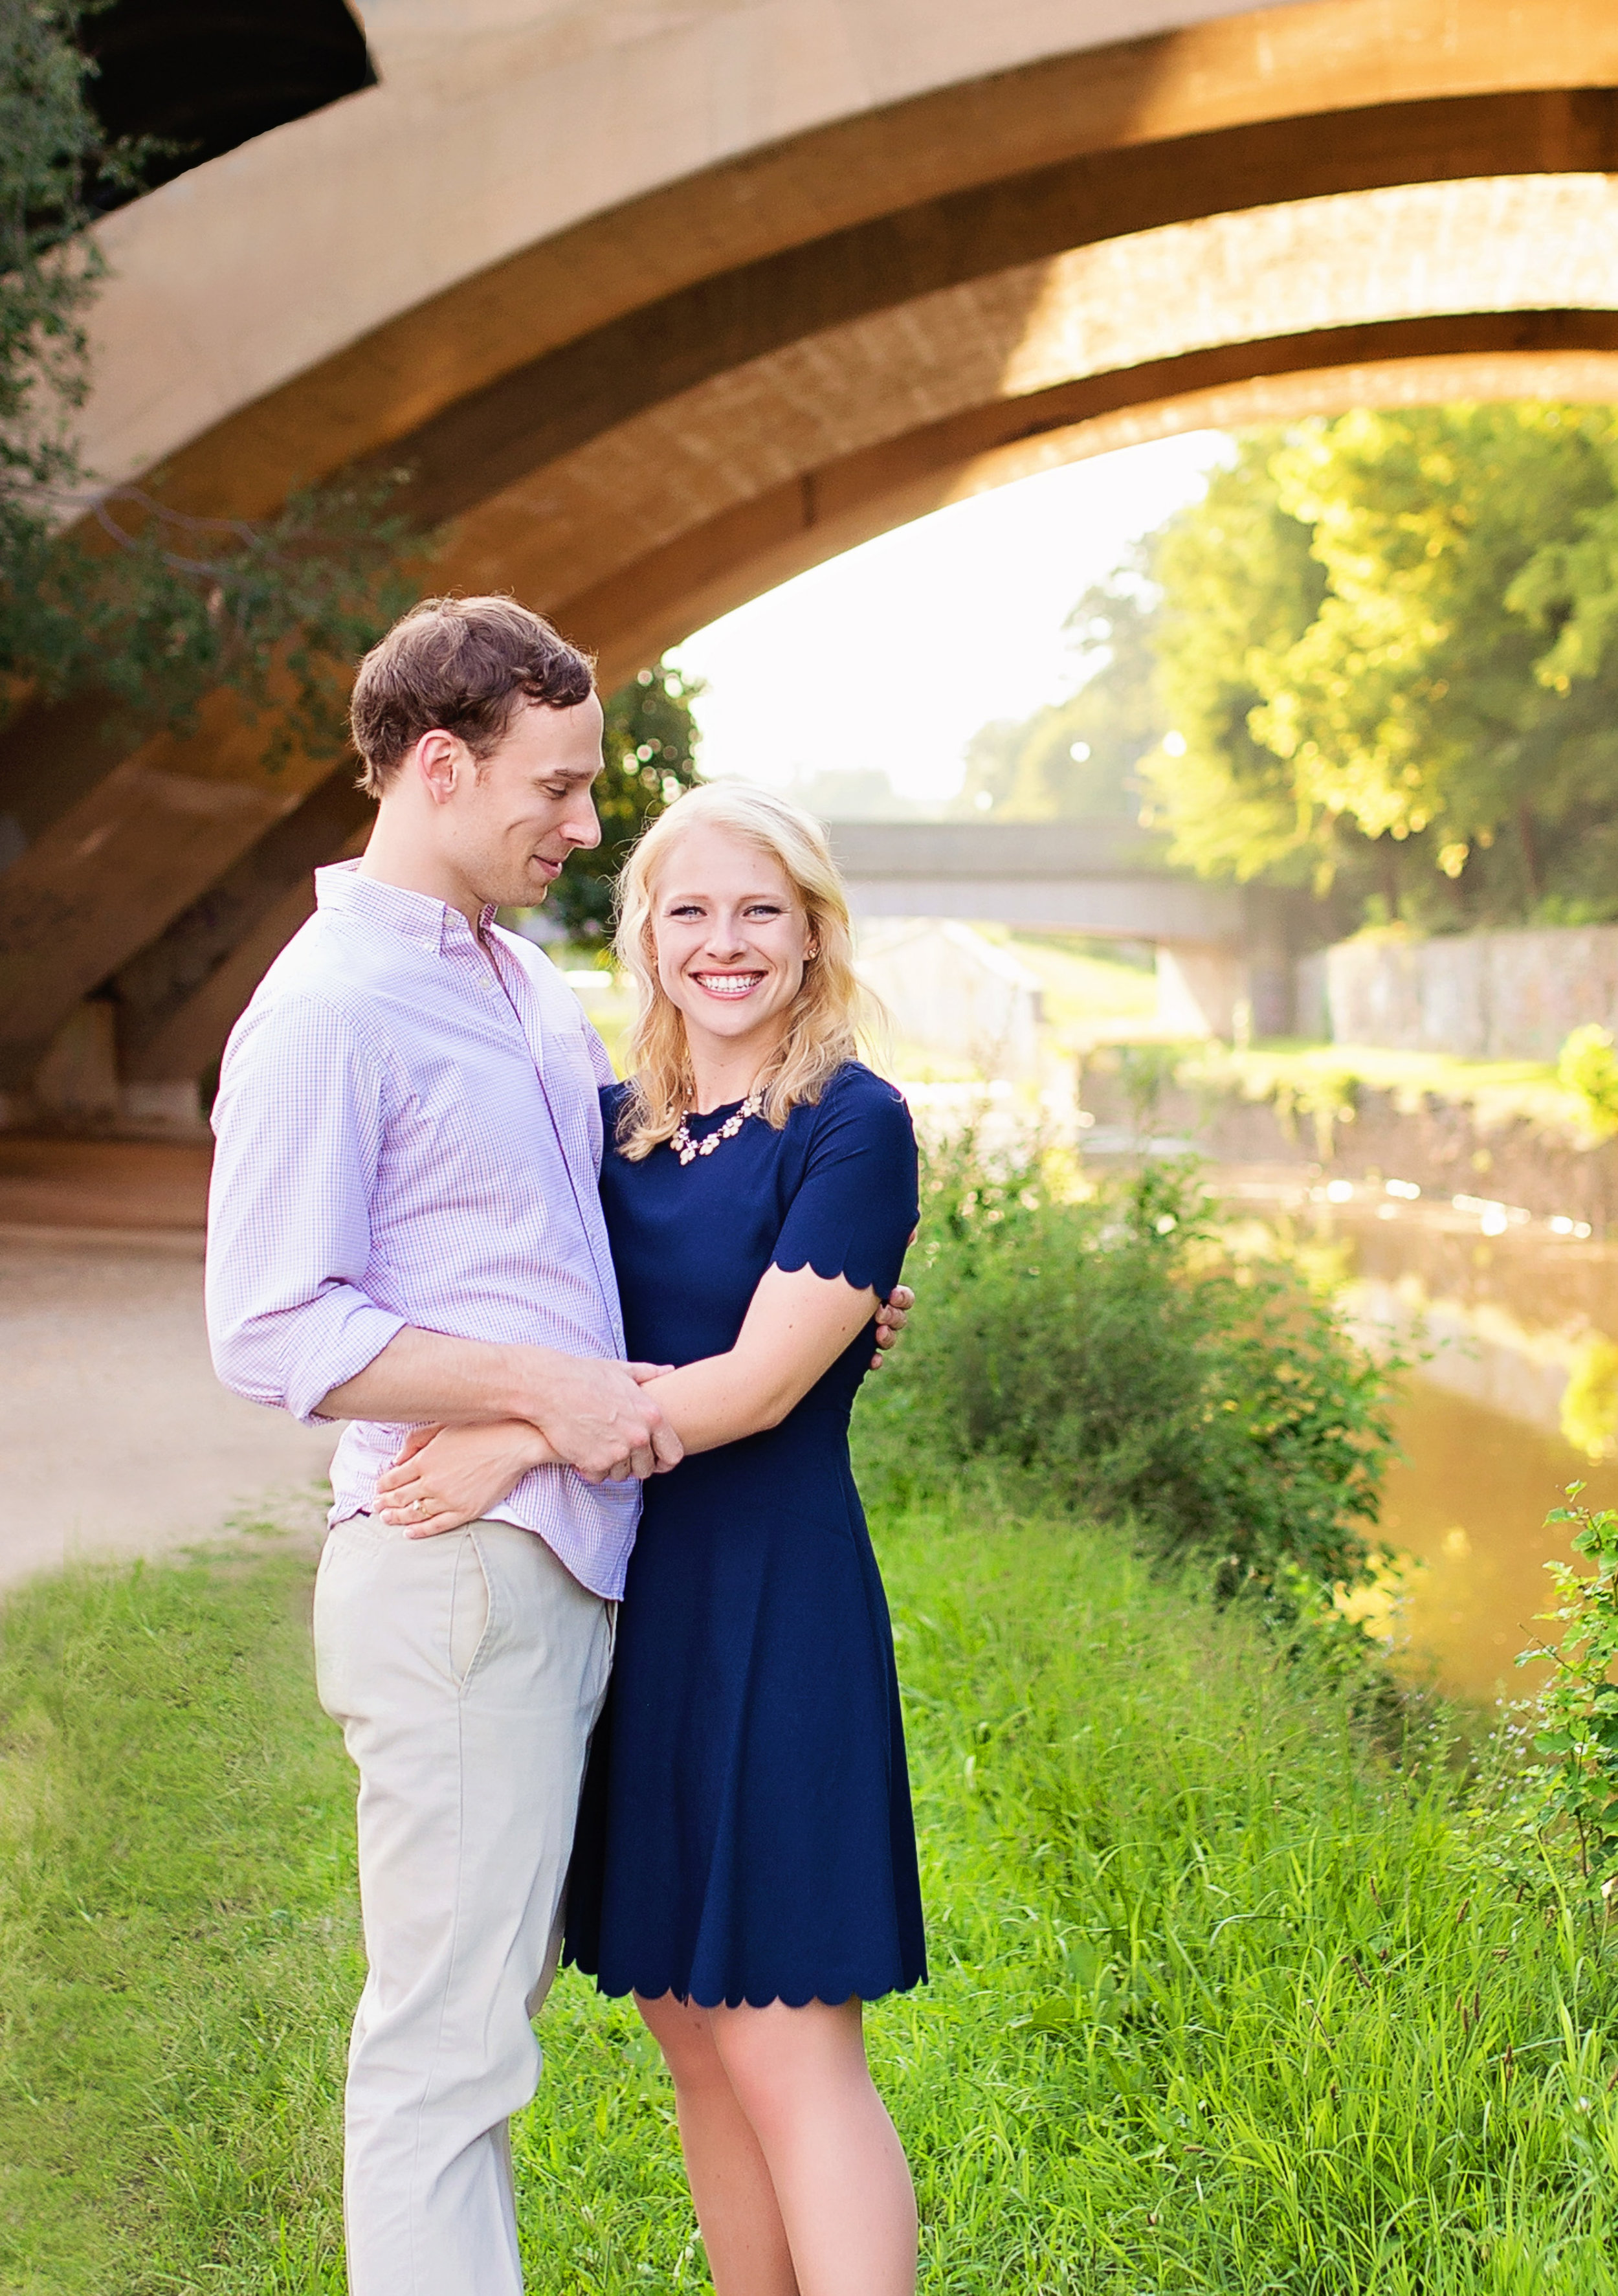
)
(688, 1150)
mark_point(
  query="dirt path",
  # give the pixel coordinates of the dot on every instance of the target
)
(115, 1436)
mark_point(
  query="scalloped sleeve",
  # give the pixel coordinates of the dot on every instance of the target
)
(858, 1202)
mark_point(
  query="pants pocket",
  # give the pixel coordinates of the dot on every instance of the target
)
(468, 1609)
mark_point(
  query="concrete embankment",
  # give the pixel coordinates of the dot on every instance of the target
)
(1447, 1147)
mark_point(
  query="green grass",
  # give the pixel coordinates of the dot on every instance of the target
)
(1083, 989)
(1202, 2014)
(1499, 1091)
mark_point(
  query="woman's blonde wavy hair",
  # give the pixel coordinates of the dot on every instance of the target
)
(823, 1021)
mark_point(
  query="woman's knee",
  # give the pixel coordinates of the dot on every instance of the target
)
(684, 2034)
(783, 2062)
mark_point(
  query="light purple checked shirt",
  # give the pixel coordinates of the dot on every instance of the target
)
(409, 1133)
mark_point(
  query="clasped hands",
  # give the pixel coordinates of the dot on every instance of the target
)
(597, 1419)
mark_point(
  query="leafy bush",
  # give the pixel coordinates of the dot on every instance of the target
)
(1578, 1709)
(1113, 1347)
(1587, 1065)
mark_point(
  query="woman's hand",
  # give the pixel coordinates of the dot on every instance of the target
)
(447, 1476)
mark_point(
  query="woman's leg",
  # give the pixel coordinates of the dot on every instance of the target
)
(839, 2174)
(736, 2206)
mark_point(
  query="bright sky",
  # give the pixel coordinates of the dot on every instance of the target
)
(894, 654)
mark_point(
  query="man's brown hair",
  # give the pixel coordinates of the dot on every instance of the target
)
(465, 666)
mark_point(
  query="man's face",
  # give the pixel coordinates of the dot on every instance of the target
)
(509, 823)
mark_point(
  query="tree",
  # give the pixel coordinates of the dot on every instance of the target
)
(1237, 586)
(651, 750)
(104, 588)
(1076, 759)
(1384, 652)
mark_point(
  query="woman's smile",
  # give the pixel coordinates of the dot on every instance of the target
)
(729, 985)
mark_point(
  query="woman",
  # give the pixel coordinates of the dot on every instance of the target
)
(745, 1860)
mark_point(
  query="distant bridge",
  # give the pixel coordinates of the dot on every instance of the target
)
(1219, 946)
(1103, 878)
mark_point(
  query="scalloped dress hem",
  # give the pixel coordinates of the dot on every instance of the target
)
(830, 1998)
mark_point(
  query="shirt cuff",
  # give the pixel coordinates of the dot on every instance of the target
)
(338, 1336)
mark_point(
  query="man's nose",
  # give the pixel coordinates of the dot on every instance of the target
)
(582, 827)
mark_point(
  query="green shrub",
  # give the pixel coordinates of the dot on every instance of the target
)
(1112, 1345)
(1577, 1779)
(1587, 1065)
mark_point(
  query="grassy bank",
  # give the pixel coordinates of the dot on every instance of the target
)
(1320, 1084)
(1222, 2000)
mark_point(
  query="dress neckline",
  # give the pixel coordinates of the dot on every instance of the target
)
(715, 1115)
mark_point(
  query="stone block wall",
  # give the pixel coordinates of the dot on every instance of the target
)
(1493, 996)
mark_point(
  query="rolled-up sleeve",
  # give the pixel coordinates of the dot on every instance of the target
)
(299, 1123)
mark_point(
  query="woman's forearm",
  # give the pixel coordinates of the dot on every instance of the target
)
(796, 1327)
(719, 1400)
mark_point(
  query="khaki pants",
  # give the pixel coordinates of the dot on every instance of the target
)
(467, 1672)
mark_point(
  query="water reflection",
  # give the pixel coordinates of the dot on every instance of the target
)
(1519, 1388)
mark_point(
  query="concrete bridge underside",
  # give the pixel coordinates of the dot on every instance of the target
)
(662, 307)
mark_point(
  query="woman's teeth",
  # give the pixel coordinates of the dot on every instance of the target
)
(729, 984)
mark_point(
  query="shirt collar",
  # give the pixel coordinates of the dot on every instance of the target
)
(431, 924)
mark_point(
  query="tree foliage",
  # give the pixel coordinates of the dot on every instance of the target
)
(104, 588)
(1077, 757)
(1387, 657)
(650, 748)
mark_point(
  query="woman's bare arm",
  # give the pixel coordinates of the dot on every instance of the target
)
(797, 1326)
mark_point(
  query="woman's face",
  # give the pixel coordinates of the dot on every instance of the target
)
(732, 940)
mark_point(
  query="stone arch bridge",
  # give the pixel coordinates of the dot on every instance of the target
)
(663, 304)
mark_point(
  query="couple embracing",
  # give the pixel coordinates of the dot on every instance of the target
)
(592, 1340)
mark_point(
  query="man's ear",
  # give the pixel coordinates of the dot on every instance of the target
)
(438, 759)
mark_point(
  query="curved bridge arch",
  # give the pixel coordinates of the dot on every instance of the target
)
(979, 257)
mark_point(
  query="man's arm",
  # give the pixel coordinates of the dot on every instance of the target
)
(299, 1122)
(594, 1414)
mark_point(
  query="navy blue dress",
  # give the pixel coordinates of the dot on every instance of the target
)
(746, 1832)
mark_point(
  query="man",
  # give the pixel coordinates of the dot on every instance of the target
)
(403, 1227)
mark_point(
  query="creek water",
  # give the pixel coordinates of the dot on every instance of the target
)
(1513, 1395)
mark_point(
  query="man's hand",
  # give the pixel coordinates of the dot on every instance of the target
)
(597, 1420)
(591, 1410)
(892, 1317)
